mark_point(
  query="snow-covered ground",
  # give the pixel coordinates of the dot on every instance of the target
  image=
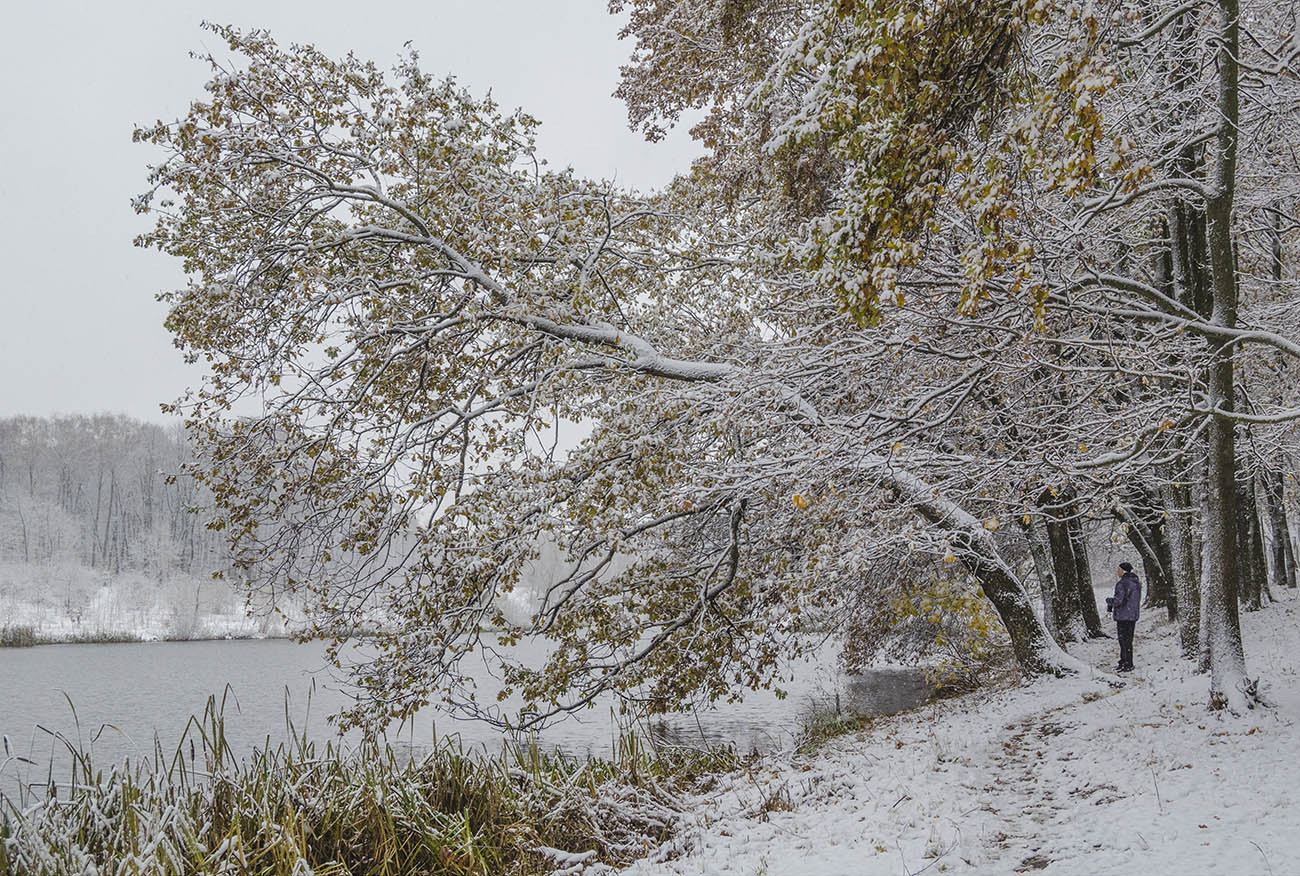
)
(72, 602)
(1066, 776)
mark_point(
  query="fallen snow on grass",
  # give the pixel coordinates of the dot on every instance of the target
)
(1068, 776)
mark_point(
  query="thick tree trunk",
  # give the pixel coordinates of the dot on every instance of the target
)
(1083, 579)
(1067, 610)
(1228, 686)
(1220, 584)
(1035, 649)
(1030, 640)
(1041, 553)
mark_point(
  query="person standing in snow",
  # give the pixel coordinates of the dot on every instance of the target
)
(1124, 606)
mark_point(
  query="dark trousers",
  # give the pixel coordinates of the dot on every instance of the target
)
(1126, 643)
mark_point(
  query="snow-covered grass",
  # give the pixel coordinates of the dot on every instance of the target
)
(1068, 776)
(299, 809)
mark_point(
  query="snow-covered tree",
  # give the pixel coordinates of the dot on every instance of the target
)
(895, 308)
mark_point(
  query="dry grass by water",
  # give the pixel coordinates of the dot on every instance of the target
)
(299, 809)
(17, 637)
(27, 637)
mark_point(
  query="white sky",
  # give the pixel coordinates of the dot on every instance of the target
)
(81, 330)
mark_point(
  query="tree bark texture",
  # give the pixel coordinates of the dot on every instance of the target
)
(1182, 563)
(1220, 590)
(1067, 611)
(1041, 553)
(1083, 578)
(1281, 552)
(1251, 568)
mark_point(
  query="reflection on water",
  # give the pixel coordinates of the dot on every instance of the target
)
(126, 695)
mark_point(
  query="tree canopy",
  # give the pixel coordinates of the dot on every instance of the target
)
(943, 265)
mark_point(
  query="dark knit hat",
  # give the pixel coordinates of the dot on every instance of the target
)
(1127, 567)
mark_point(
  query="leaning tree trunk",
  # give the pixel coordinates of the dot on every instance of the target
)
(1035, 649)
(1030, 640)
(1144, 524)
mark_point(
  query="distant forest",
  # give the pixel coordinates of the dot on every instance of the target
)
(100, 533)
(103, 492)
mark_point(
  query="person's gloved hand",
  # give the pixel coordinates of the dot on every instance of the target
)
(1110, 603)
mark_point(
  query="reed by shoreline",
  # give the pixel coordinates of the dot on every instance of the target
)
(19, 636)
(300, 808)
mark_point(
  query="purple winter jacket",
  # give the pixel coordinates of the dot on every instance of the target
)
(1128, 597)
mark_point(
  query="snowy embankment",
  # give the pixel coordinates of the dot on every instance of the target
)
(72, 603)
(1067, 776)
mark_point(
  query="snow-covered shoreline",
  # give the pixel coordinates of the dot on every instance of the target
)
(71, 604)
(1068, 776)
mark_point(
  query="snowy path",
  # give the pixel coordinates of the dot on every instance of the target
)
(1062, 777)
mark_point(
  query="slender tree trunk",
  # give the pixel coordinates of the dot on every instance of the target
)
(22, 520)
(94, 529)
(1246, 530)
(1144, 522)
(1176, 498)
(1250, 556)
(1289, 543)
(1274, 482)
(1186, 504)
(1203, 634)
(108, 516)
(1282, 560)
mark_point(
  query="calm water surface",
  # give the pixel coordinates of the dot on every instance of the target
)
(126, 695)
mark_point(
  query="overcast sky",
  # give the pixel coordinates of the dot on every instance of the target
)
(81, 329)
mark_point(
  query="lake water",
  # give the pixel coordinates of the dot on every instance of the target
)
(125, 695)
